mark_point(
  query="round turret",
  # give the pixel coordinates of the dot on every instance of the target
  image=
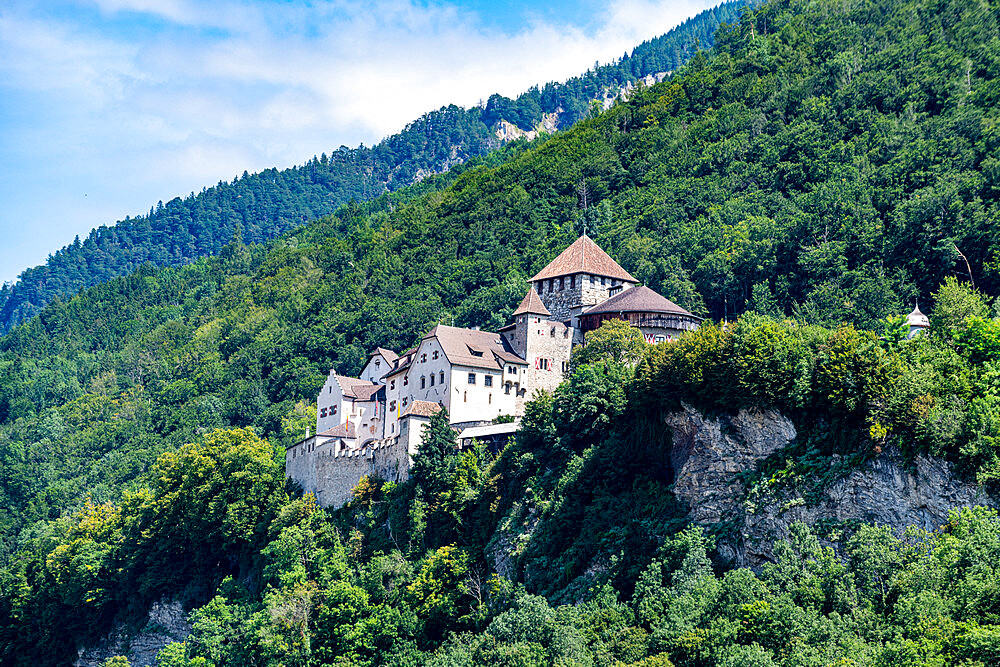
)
(917, 322)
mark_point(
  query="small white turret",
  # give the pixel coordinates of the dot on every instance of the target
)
(917, 322)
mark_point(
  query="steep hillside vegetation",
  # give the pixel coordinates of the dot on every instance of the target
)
(825, 162)
(266, 204)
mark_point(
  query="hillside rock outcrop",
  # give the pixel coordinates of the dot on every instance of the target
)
(167, 623)
(708, 454)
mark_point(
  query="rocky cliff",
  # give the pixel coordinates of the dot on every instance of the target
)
(166, 623)
(708, 454)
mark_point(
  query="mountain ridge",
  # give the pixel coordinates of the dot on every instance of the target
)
(270, 202)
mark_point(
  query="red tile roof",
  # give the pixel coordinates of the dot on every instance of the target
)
(470, 347)
(531, 303)
(639, 299)
(346, 431)
(584, 256)
(421, 409)
(359, 390)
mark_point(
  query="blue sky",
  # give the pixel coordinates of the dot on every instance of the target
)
(107, 106)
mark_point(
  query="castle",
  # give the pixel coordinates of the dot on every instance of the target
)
(372, 424)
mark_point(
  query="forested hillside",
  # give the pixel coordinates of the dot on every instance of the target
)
(828, 161)
(268, 203)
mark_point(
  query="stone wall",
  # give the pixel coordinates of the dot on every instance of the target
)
(330, 473)
(567, 303)
(547, 340)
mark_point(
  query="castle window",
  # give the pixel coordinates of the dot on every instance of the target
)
(392, 405)
(542, 364)
(552, 284)
(489, 399)
(378, 364)
(506, 389)
(562, 282)
(592, 278)
(566, 332)
(432, 379)
(572, 282)
(565, 366)
(423, 382)
(602, 280)
(472, 378)
(405, 401)
(406, 380)
(423, 357)
(435, 355)
(331, 389)
(333, 410)
(322, 413)
(552, 332)
(487, 380)
(539, 286)
(442, 377)
(392, 384)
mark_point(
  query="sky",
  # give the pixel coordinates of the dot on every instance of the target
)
(108, 106)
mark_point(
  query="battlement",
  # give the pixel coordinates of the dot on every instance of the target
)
(331, 473)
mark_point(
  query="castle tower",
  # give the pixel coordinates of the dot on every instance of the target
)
(578, 279)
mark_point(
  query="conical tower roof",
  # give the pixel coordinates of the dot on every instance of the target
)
(584, 256)
(531, 303)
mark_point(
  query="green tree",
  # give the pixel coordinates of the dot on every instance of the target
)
(615, 341)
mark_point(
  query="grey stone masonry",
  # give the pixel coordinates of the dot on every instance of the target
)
(331, 473)
(567, 296)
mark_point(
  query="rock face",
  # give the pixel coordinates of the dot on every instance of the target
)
(167, 623)
(708, 454)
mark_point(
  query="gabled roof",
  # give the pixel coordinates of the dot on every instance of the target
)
(401, 363)
(421, 409)
(388, 355)
(342, 431)
(532, 303)
(470, 347)
(639, 299)
(584, 256)
(356, 389)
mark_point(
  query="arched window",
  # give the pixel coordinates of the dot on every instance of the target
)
(442, 377)
(423, 382)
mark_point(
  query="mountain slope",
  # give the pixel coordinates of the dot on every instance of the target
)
(266, 204)
(825, 160)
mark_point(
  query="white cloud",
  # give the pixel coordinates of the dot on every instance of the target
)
(212, 89)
